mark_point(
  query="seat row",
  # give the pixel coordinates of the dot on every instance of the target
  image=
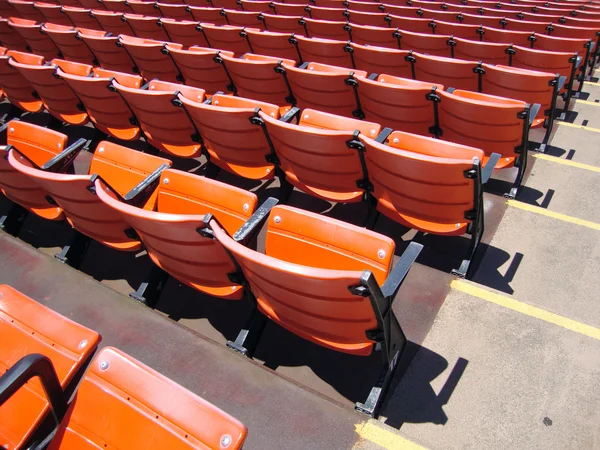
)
(198, 66)
(334, 286)
(179, 120)
(119, 402)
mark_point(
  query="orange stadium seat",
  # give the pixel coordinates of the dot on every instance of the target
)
(382, 60)
(167, 127)
(456, 73)
(326, 88)
(208, 15)
(326, 29)
(152, 58)
(113, 22)
(259, 77)
(291, 9)
(10, 38)
(327, 14)
(464, 31)
(129, 172)
(397, 103)
(82, 17)
(177, 12)
(146, 27)
(432, 44)
(279, 45)
(106, 108)
(27, 10)
(487, 52)
(37, 43)
(71, 47)
(257, 6)
(316, 155)
(375, 36)
(53, 13)
(324, 51)
(170, 227)
(429, 185)
(143, 8)
(56, 95)
(200, 68)
(231, 132)
(228, 37)
(377, 19)
(283, 24)
(109, 55)
(244, 19)
(333, 260)
(184, 32)
(63, 348)
(16, 87)
(414, 24)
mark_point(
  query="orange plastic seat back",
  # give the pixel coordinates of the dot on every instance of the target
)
(113, 22)
(199, 68)
(227, 37)
(375, 36)
(257, 5)
(40, 145)
(233, 142)
(544, 61)
(168, 228)
(432, 44)
(324, 51)
(39, 43)
(146, 27)
(561, 44)
(574, 32)
(324, 14)
(53, 14)
(150, 60)
(297, 8)
(325, 29)
(283, 24)
(449, 72)
(106, 108)
(166, 126)
(487, 52)
(273, 44)
(398, 103)
(109, 55)
(71, 48)
(244, 19)
(408, 23)
(208, 15)
(420, 182)
(184, 32)
(528, 25)
(57, 96)
(27, 327)
(121, 167)
(121, 6)
(27, 10)
(459, 30)
(376, 19)
(143, 8)
(254, 76)
(525, 85)
(177, 12)
(324, 88)
(500, 36)
(302, 281)
(316, 156)
(381, 60)
(483, 121)
(146, 408)
(82, 17)
(17, 88)
(10, 38)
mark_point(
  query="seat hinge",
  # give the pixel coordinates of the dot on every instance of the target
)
(360, 291)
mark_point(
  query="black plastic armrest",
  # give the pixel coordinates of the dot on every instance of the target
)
(92, 187)
(373, 76)
(394, 280)
(578, 61)
(64, 158)
(35, 365)
(140, 193)
(450, 90)
(561, 82)
(145, 86)
(304, 65)
(533, 112)
(208, 101)
(383, 135)
(486, 171)
(253, 224)
(288, 116)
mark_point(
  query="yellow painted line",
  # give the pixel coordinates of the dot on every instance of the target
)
(384, 438)
(526, 309)
(553, 215)
(586, 102)
(573, 125)
(566, 162)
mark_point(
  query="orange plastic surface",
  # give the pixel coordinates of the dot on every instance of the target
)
(113, 22)
(65, 38)
(39, 43)
(302, 281)
(53, 14)
(184, 32)
(109, 55)
(227, 37)
(146, 27)
(324, 51)
(27, 10)
(449, 72)
(177, 12)
(381, 60)
(17, 88)
(10, 38)
(273, 44)
(432, 44)
(487, 52)
(420, 183)
(374, 36)
(119, 166)
(126, 404)
(107, 109)
(232, 141)
(81, 17)
(244, 19)
(314, 154)
(150, 60)
(204, 14)
(168, 227)
(166, 126)
(26, 327)
(327, 29)
(278, 23)
(40, 145)
(199, 69)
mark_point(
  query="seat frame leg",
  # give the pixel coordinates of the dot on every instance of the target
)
(378, 392)
(285, 189)
(148, 293)
(12, 222)
(248, 338)
(73, 253)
